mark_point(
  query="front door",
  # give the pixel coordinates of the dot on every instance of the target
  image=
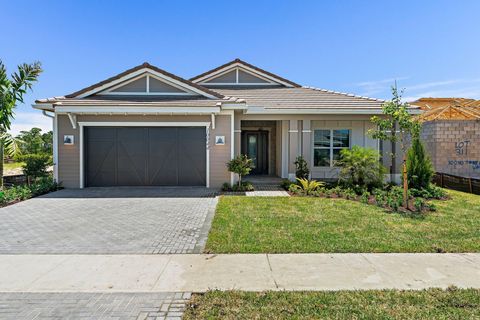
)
(255, 146)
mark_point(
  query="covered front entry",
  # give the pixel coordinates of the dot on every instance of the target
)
(141, 156)
(261, 141)
(255, 146)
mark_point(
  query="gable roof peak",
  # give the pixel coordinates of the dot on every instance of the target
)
(224, 66)
(128, 73)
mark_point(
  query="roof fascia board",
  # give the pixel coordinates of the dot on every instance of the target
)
(242, 66)
(376, 111)
(43, 106)
(141, 72)
(136, 110)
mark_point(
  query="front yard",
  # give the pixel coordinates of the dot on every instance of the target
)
(302, 224)
(373, 304)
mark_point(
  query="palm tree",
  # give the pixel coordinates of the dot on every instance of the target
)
(11, 93)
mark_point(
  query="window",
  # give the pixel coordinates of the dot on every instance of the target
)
(327, 144)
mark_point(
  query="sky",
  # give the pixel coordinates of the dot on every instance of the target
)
(430, 47)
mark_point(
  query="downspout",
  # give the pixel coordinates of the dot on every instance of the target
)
(54, 142)
(44, 112)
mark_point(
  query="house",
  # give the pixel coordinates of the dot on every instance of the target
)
(146, 126)
(451, 134)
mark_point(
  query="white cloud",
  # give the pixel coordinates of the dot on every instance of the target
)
(371, 88)
(27, 120)
(464, 88)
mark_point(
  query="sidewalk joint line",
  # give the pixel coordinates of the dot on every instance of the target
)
(161, 272)
(271, 271)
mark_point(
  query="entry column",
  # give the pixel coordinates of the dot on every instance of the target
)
(293, 147)
(307, 143)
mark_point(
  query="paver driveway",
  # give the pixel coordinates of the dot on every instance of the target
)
(109, 220)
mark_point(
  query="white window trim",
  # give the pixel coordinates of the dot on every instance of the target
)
(331, 147)
(142, 124)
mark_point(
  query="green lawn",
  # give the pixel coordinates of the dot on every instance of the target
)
(12, 165)
(295, 224)
(389, 304)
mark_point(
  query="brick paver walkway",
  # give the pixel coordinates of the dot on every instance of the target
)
(131, 306)
(109, 221)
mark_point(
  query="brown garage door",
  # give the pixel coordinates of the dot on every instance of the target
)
(134, 156)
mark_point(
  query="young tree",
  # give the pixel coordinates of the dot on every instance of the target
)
(240, 165)
(397, 126)
(11, 93)
(419, 167)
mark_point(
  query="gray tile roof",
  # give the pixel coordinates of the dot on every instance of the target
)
(302, 97)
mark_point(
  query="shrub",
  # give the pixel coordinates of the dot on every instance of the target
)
(43, 185)
(431, 206)
(18, 193)
(431, 192)
(380, 197)
(338, 191)
(419, 204)
(305, 186)
(241, 165)
(301, 168)
(361, 168)
(226, 186)
(245, 186)
(328, 193)
(395, 197)
(365, 197)
(436, 192)
(285, 184)
(349, 193)
(419, 167)
(36, 165)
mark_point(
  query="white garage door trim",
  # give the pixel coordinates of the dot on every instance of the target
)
(143, 124)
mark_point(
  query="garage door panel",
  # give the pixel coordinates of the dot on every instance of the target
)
(134, 156)
(131, 156)
(162, 157)
(192, 156)
(101, 153)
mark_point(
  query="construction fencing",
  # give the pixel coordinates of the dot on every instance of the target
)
(448, 181)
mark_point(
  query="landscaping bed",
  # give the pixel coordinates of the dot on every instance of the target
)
(315, 224)
(16, 194)
(371, 304)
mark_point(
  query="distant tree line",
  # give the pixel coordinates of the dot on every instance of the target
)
(34, 142)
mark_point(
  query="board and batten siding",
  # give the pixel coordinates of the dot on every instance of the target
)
(69, 155)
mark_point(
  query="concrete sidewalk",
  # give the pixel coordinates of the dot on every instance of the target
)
(198, 273)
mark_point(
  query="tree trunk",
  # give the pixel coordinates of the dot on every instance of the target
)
(1, 163)
(239, 180)
(393, 154)
(405, 183)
